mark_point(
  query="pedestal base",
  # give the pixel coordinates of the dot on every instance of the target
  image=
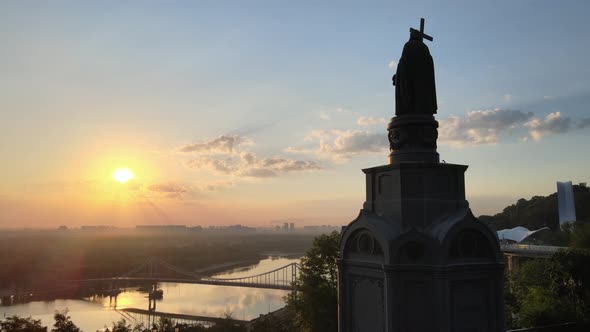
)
(416, 259)
(412, 138)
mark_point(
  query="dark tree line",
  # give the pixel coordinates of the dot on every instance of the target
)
(539, 211)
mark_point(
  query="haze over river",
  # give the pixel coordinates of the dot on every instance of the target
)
(205, 300)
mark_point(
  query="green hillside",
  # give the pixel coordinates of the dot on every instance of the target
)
(539, 211)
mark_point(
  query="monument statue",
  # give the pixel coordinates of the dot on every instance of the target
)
(415, 91)
(413, 131)
(416, 258)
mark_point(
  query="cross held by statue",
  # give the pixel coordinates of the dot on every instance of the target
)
(421, 32)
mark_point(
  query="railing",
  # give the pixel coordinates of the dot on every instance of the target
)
(566, 327)
(530, 247)
(282, 276)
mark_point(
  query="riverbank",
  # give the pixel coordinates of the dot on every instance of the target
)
(94, 313)
(237, 266)
(224, 267)
(34, 262)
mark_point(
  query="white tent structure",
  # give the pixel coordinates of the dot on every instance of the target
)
(518, 234)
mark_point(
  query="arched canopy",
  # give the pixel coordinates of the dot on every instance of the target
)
(519, 234)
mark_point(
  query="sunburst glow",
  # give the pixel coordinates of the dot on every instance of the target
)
(123, 175)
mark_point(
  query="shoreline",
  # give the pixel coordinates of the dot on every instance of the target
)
(218, 268)
(227, 267)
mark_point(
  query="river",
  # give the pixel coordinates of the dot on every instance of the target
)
(93, 314)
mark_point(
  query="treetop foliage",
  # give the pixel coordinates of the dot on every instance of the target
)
(315, 301)
(19, 324)
(550, 291)
(63, 322)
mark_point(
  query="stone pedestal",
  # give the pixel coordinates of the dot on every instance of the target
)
(416, 259)
(412, 138)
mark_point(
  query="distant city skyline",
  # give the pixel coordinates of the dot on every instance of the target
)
(261, 112)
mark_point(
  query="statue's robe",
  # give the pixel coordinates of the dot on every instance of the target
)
(415, 91)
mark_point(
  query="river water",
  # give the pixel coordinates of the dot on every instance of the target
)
(93, 314)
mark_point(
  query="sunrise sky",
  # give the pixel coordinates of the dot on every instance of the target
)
(256, 112)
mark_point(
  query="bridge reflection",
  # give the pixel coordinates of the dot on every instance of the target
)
(148, 318)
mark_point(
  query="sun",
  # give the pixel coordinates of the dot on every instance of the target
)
(123, 175)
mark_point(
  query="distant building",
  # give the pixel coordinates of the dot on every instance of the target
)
(292, 227)
(162, 227)
(96, 227)
(286, 227)
(321, 228)
(566, 202)
(232, 228)
(240, 228)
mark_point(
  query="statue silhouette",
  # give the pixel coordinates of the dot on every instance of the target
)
(415, 91)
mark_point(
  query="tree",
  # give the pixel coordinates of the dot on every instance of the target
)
(569, 272)
(540, 307)
(227, 325)
(580, 236)
(122, 326)
(552, 291)
(315, 300)
(63, 322)
(19, 324)
(277, 321)
(165, 325)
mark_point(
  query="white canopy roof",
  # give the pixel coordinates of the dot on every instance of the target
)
(518, 234)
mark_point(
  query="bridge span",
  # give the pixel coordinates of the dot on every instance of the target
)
(514, 252)
(156, 270)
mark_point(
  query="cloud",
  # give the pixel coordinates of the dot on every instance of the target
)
(225, 165)
(216, 186)
(257, 172)
(487, 126)
(222, 144)
(507, 98)
(345, 144)
(298, 149)
(480, 127)
(369, 120)
(325, 116)
(225, 156)
(554, 123)
(249, 165)
(584, 123)
(168, 190)
(392, 64)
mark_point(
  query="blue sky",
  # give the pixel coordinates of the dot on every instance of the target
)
(301, 91)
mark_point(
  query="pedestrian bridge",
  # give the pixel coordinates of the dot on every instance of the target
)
(157, 270)
(514, 252)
